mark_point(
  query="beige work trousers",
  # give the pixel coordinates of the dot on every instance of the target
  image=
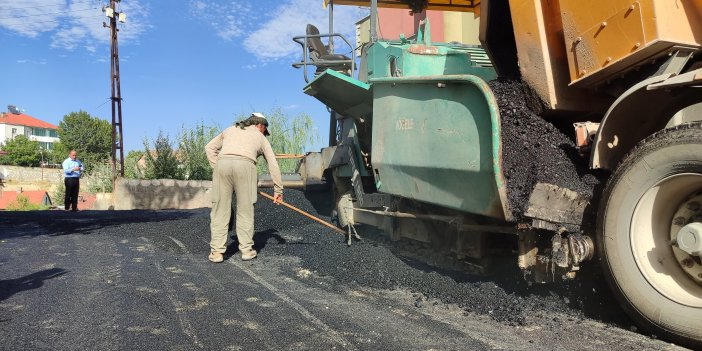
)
(238, 175)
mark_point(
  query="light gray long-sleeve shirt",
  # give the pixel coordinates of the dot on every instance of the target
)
(248, 142)
(68, 166)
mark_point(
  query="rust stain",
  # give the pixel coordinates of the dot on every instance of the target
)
(423, 49)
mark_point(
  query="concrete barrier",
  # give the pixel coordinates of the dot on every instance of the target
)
(103, 201)
(159, 194)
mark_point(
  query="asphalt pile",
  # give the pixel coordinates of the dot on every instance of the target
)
(534, 150)
(378, 263)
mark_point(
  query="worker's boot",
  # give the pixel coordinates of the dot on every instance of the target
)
(248, 254)
(216, 257)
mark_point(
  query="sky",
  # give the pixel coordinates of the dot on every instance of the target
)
(181, 62)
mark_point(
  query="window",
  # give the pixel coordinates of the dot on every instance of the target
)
(39, 131)
(14, 132)
(53, 133)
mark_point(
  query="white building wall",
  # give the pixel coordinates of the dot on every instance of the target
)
(3, 133)
(10, 131)
(44, 139)
(6, 131)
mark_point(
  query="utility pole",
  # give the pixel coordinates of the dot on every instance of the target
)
(116, 91)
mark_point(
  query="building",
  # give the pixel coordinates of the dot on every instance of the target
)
(34, 197)
(446, 26)
(14, 123)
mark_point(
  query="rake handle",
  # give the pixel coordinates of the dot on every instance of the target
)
(325, 223)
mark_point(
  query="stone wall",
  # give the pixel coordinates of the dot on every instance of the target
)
(31, 174)
(131, 194)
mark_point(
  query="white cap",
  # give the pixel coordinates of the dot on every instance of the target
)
(260, 115)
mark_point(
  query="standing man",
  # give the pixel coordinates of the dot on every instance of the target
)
(233, 154)
(72, 169)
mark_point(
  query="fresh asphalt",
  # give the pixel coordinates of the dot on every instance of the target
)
(140, 280)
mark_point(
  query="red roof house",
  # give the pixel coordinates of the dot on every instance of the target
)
(25, 120)
(37, 197)
(15, 123)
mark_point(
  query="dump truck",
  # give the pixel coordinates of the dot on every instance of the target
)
(572, 127)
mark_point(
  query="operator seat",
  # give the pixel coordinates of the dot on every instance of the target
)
(320, 56)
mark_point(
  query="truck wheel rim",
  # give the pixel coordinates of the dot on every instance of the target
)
(653, 224)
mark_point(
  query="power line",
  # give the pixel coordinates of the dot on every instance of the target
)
(32, 23)
(56, 20)
(106, 101)
(45, 5)
(49, 14)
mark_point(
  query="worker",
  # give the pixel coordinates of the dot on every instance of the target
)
(72, 169)
(233, 154)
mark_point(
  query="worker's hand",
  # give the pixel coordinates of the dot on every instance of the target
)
(278, 199)
(76, 168)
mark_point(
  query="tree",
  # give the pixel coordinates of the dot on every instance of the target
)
(132, 169)
(90, 136)
(191, 150)
(57, 154)
(162, 162)
(289, 135)
(21, 152)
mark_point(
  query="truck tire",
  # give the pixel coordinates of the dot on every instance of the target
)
(643, 199)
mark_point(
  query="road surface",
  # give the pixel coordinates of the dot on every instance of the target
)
(140, 280)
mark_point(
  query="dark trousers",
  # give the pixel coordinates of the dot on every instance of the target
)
(71, 198)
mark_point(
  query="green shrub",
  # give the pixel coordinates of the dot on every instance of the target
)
(59, 194)
(22, 204)
(100, 179)
(162, 162)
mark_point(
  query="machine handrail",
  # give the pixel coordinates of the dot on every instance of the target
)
(302, 40)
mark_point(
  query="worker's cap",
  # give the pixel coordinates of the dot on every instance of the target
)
(262, 120)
